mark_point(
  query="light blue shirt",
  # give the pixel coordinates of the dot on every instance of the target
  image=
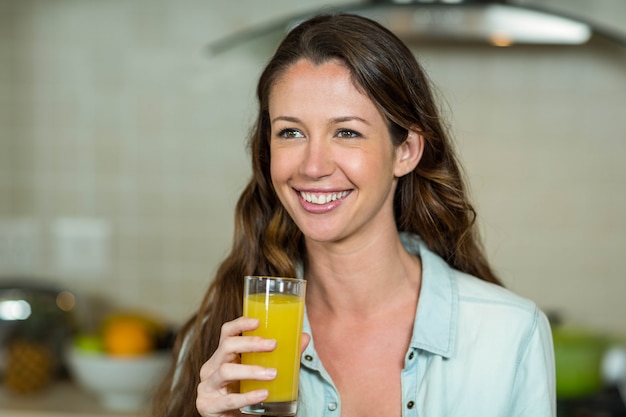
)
(477, 350)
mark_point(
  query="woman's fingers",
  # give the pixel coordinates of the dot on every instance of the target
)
(230, 349)
(227, 406)
(212, 402)
(240, 324)
(218, 394)
(304, 341)
(231, 344)
(232, 372)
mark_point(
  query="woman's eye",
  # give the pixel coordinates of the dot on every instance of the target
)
(290, 134)
(348, 134)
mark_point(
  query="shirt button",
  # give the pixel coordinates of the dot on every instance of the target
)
(332, 406)
(411, 355)
(410, 405)
(308, 358)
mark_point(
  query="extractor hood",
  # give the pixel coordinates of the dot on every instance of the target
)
(492, 22)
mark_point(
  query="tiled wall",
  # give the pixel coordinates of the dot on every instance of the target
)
(112, 112)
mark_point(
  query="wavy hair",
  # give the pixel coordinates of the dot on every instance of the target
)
(431, 201)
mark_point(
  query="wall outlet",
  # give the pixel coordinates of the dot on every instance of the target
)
(19, 245)
(81, 246)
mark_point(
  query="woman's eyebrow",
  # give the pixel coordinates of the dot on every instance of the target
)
(348, 119)
(286, 119)
(335, 120)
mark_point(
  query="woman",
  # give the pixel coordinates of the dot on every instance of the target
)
(356, 188)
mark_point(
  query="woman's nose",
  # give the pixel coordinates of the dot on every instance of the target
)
(317, 161)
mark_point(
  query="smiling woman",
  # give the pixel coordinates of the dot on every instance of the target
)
(356, 189)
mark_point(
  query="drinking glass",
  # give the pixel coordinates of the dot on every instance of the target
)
(278, 304)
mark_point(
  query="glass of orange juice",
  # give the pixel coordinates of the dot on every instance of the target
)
(278, 303)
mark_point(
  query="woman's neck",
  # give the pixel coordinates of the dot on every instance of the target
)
(359, 276)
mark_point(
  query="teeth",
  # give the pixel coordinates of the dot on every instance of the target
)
(322, 198)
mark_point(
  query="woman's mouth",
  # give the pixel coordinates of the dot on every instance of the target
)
(322, 198)
(321, 202)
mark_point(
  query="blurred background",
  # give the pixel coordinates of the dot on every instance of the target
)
(123, 150)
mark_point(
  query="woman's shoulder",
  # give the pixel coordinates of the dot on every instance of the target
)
(478, 291)
(498, 315)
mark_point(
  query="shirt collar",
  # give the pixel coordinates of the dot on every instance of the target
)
(434, 327)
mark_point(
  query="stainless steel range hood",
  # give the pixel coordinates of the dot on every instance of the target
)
(492, 22)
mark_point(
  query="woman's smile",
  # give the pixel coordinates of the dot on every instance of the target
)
(321, 202)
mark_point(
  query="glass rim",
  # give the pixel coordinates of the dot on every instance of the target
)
(274, 278)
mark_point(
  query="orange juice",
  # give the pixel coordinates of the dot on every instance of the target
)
(281, 319)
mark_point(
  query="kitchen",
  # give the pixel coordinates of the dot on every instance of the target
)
(122, 143)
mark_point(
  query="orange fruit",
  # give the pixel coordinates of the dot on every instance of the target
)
(127, 337)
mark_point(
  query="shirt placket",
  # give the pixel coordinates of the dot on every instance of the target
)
(409, 384)
(332, 402)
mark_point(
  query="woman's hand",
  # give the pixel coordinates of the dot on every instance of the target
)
(218, 391)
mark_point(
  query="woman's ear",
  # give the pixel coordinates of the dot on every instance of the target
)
(409, 153)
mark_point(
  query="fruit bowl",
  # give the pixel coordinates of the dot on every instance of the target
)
(120, 383)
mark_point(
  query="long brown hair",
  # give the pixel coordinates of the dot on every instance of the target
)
(431, 201)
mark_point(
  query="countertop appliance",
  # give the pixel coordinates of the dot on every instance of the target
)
(40, 311)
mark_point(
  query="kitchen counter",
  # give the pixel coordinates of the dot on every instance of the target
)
(62, 399)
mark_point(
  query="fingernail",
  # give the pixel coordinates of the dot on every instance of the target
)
(261, 394)
(271, 372)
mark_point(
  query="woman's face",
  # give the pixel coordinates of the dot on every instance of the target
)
(333, 165)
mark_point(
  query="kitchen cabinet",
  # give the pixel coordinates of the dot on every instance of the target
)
(62, 399)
